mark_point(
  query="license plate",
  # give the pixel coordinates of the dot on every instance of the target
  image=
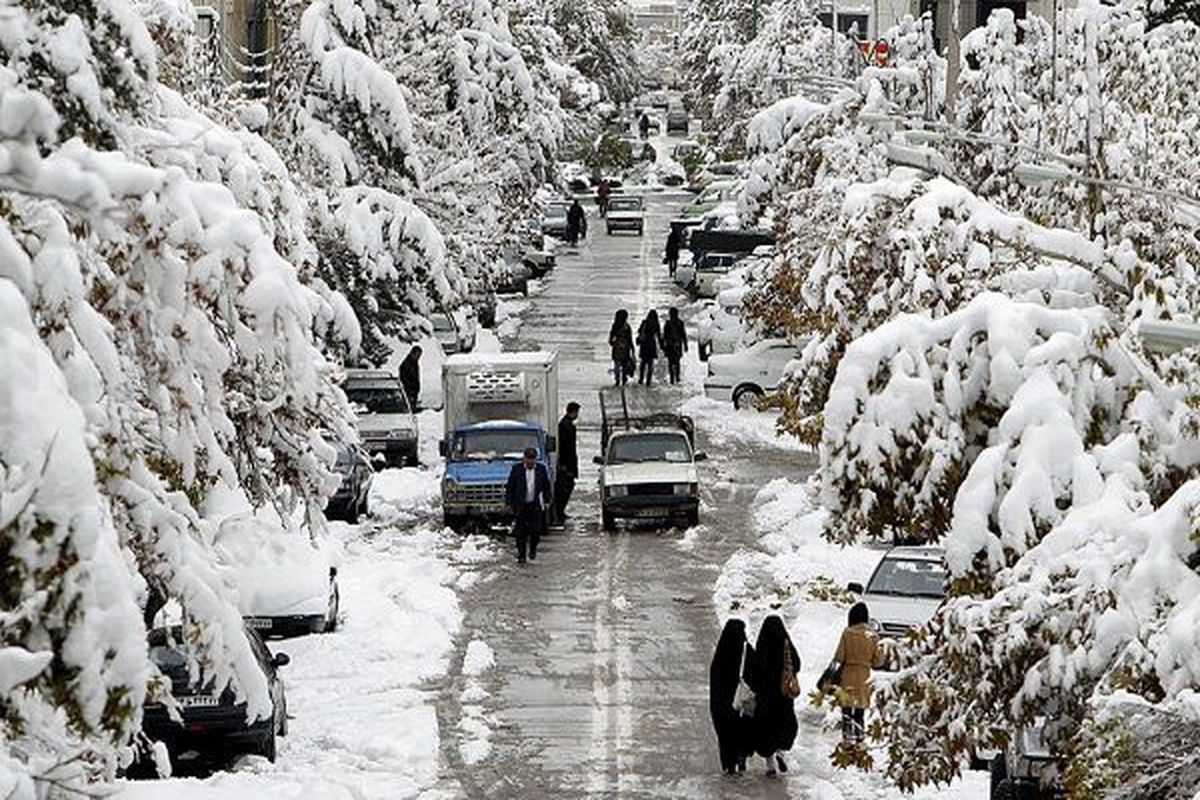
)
(651, 512)
(195, 700)
(260, 623)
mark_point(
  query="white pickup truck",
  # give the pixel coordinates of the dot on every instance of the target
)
(648, 467)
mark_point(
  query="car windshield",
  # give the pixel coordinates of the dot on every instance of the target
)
(442, 324)
(627, 204)
(650, 447)
(378, 399)
(909, 577)
(556, 210)
(486, 445)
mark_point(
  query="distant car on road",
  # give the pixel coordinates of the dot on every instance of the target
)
(746, 376)
(639, 149)
(686, 149)
(386, 424)
(625, 214)
(352, 497)
(677, 121)
(213, 724)
(906, 589)
(712, 196)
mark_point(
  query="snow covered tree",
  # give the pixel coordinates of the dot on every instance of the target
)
(161, 346)
(601, 42)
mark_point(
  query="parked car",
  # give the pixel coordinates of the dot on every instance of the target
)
(669, 172)
(677, 121)
(709, 268)
(514, 278)
(719, 325)
(625, 214)
(715, 194)
(554, 219)
(352, 497)
(745, 377)
(906, 589)
(685, 150)
(648, 467)
(386, 424)
(1026, 769)
(713, 173)
(213, 724)
(287, 580)
(640, 149)
(454, 335)
(659, 99)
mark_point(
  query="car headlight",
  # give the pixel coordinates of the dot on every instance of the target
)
(400, 433)
(617, 491)
(686, 488)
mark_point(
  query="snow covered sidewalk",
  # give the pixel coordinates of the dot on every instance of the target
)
(362, 700)
(800, 576)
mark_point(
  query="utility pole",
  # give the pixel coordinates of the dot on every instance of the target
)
(952, 62)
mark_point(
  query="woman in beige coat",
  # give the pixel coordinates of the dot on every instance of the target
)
(858, 652)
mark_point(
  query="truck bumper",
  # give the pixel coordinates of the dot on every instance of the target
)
(651, 506)
(395, 452)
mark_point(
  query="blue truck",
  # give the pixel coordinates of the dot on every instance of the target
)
(495, 405)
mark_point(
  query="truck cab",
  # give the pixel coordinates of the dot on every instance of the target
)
(496, 405)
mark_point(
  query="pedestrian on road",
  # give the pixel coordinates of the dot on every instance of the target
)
(858, 652)
(732, 663)
(528, 495)
(775, 691)
(672, 250)
(620, 339)
(410, 376)
(602, 193)
(644, 125)
(568, 461)
(649, 341)
(674, 344)
(576, 222)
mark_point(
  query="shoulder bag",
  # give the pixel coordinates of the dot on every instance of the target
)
(743, 696)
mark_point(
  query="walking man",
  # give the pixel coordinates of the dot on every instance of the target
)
(568, 461)
(672, 250)
(410, 376)
(528, 495)
(674, 343)
(576, 222)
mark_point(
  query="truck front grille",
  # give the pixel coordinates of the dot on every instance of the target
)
(479, 493)
(654, 489)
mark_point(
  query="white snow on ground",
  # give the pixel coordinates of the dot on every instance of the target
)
(797, 574)
(479, 658)
(508, 316)
(475, 724)
(724, 426)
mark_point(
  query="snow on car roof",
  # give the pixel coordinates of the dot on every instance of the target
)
(537, 357)
(503, 423)
(917, 552)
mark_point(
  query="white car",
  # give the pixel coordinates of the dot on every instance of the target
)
(453, 335)
(386, 424)
(686, 149)
(649, 473)
(719, 325)
(906, 589)
(625, 214)
(709, 269)
(712, 196)
(287, 584)
(747, 376)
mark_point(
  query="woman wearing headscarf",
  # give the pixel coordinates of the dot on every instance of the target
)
(649, 340)
(858, 652)
(776, 665)
(620, 339)
(674, 343)
(733, 659)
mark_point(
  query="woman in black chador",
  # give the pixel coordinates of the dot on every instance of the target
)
(776, 664)
(734, 735)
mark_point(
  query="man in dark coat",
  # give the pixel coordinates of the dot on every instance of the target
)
(528, 495)
(576, 222)
(568, 461)
(410, 376)
(672, 250)
(674, 343)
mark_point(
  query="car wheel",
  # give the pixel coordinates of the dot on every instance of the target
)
(607, 521)
(747, 397)
(692, 519)
(335, 608)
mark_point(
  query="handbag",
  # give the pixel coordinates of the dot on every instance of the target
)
(831, 678)
(789, 686)
(743, 696)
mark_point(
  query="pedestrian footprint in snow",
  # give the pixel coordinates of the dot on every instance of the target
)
(776, 688)
(730, 699)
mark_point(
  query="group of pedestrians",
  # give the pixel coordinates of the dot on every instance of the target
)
(533, 500)
(637, 354)
(753, 688)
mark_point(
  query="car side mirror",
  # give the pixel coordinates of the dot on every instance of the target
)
(598, 460)
(442, 448)
(551, 444)
(700, 455)
(280, 660)
(857, 588)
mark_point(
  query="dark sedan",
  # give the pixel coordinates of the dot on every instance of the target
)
(351, 498)
(214, 727)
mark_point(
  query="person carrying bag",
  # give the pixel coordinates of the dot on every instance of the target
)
(730, 699)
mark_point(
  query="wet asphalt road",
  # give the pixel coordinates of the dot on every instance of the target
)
(602, 645)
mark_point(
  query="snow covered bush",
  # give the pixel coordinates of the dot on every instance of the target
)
(159, 327)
